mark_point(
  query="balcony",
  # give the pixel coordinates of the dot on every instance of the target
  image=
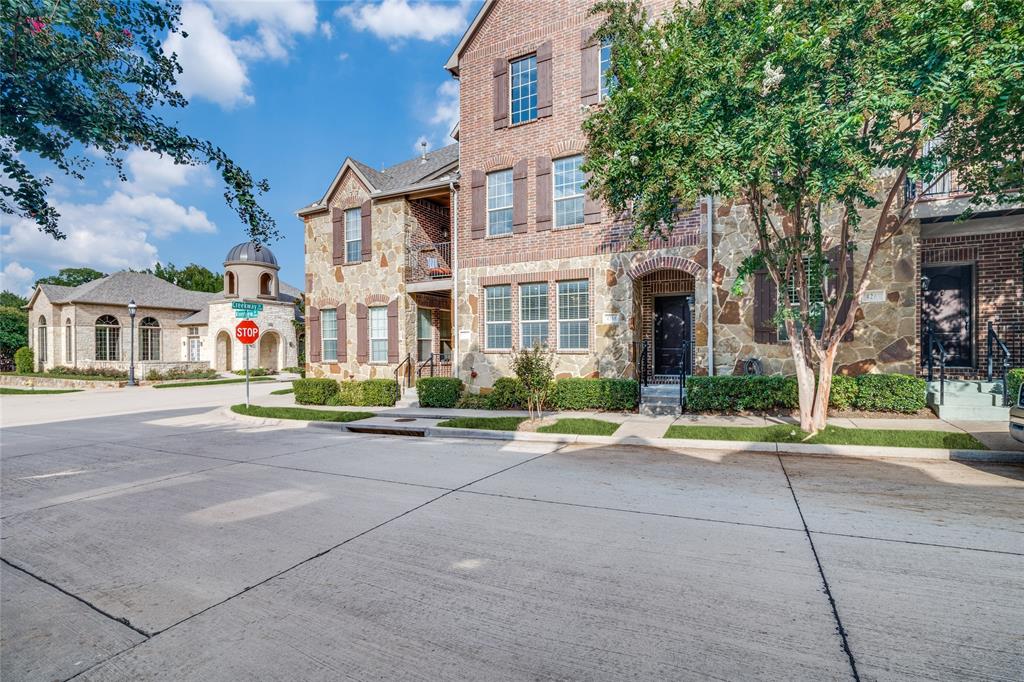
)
(429, 266)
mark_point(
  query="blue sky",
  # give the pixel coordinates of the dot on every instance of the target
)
(288, 89)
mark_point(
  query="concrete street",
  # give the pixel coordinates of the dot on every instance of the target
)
(146, 536)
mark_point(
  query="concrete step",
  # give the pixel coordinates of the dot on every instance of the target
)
(660, 409)
(964, 413)
(967, 399)
(969, 387)
(410, 398)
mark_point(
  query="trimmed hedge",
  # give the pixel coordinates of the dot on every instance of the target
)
(594, 394)
(24, 360)
(438, 391)
(314, 391)
(1013, 381)
(869, 392)
(507, 394)
(366, 393)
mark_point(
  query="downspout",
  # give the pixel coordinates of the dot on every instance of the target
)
(708, 204)
(455, 278)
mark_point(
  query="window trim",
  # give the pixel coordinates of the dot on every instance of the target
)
(109, 330)
(490, 323)
(559, 319)
(145, 336)
(509, 207)
(357, 211)
(369, 333)
(68, 344)
(555, 199)
(536, 85)
(546, 320)
(793, 303)
(604, 88)
(324, 338)
(420, 314)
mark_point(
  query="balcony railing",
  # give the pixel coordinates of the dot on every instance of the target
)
(945, 187)
(428, 262)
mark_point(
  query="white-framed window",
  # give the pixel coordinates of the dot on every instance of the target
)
(604, 68)
(68, 343)
(353, 235)
(108, 338)
(523, 90)
(41, 340)
(379, 334)
(814, 297)
(329, 334)
(574, 315)
(499, 202)
(424, 333)
(533, 315)
(193, 331)
(149, 339)
(445, 332)
(568, 179)
(498, 317)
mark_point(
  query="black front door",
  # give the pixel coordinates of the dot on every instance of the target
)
(671, 334)
(947, 304)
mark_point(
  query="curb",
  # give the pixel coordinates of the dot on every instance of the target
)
(720, 446)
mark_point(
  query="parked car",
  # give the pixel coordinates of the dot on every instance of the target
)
(1017, 417)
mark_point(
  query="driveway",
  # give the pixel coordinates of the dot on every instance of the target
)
(176, 544)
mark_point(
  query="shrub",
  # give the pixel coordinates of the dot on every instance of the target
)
(508, 394)
(1013, 381)
(844, 392)
(890, 393)
(738, 393)
(534, 369)
(366, 393)
(595, 394)
(181, 373)
(106, 372)
(439, 391)
(256, 372)
(315, 391)
(24, 360)
(473, 401)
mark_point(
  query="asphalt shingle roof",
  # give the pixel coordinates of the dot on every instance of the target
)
(148, 291)
(415, 170)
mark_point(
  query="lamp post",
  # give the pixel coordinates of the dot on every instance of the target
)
(131, 357)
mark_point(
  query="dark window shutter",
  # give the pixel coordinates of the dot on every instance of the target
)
(519, 197)
(362, 334)
(500, 93)
(478, 190)
(315, 346)
(765, 302)
(591, 207)
(544, 200)
(342, 334)
(544, 65)
(393, 331)
(590, 77)
(366, 231)
(337, 236)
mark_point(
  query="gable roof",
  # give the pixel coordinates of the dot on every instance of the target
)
(453, 61)
(408, 174)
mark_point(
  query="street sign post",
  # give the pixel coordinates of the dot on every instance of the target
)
(247, 332)
(245, 310)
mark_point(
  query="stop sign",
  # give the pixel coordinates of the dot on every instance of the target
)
(247, 332)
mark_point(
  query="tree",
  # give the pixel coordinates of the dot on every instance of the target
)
(91, 73)
(13, 333)
(9, 299)
(534, 369)
(71, 277)
(814, 116)
(192, 277)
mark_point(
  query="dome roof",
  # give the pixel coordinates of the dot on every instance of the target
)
(250, 252)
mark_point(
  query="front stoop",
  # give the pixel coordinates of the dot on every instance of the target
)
(410, 398)
(661, 400)
(969, 401)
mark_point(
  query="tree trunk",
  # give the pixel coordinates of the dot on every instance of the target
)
(804, 378)
(819, 415)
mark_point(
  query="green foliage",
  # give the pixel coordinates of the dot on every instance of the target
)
(7, 390)
(473, 401)
(366, 393)
(535, 369)
(583, 427)
(438, 391)
(192, 277)
(507, 394)
(13, 333)
(1013, 381)
(300, 413)
(24, 360)
(71, 277)
(844, 392)
(88, 372)
(180, 373)
(314, 391)
(831, 435)
(77, 75)
(256, 372)
(283, 391)
(215, 382)
(615, 395)
(9, 299)
(740, 393)
(489, 423)
(891, 393)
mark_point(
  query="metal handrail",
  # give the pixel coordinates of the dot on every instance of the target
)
(407, 363)
(644, 361)
(682, 371)
(429, 361)
(994, 340)
(933, 346)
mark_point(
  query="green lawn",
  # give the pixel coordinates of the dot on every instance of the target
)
(832, 435)
(300, 413)
(582, 427)
(283, 391)
(491, 423)
(8, 390)
(211, 383)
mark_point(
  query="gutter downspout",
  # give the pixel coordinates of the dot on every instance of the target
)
(709, 205)
(455, 278)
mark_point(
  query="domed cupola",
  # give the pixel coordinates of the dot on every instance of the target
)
(250, 271)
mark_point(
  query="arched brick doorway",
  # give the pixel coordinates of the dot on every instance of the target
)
(663, 295)
(222, 358)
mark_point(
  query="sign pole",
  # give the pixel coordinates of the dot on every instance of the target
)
(247, 375)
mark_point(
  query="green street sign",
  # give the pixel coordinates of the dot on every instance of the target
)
(246, 314)
(246, 305)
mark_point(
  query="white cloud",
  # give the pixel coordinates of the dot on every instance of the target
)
(443, 116)
(420, 141)
(396, 20)
(113, 235)
(326, 30)
(149, 172)
(342, 56)
(224, 36)
(16, 278)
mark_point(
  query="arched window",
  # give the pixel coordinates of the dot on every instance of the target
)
(266, 284)
(149, 339)
(68, 344)
(108, 338)
(229, 282)
(41, 340)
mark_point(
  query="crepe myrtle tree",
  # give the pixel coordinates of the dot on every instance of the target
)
(816, 116)
(92, 74)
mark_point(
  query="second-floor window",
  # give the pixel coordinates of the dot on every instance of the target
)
(499, 202)
(378, 334)
(498, 320)
(329, 333)
(523, 75)
(533, 315)
(604, 68)
(353, 236)
(568, 191)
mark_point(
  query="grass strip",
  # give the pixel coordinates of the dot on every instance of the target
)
(832, 435)
(7, 390)
(283, 391)
(300, 413)
(211, 383)
(581, 427)
(489, 423)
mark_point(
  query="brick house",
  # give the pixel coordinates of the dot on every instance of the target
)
(492, 244)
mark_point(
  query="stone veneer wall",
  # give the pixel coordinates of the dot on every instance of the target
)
(275, 318)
